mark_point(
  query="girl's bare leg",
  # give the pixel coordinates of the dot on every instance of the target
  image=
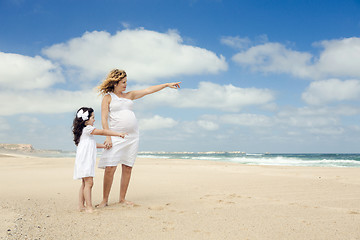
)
(108, 180)
(87, 193)
(81, 196)
(125, 179)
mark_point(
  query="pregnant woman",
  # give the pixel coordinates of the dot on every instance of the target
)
(117, 115)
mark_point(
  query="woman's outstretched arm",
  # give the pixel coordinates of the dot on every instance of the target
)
(141, 93)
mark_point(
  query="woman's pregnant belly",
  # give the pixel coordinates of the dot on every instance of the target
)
(123, 121)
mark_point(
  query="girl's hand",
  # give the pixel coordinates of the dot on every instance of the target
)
(108, 143)
(174, 85)
(122, 135)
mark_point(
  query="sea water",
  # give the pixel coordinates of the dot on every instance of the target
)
(281, 159)
(276, 159)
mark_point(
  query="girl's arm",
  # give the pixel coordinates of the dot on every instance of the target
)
(104, 118)
(100, 145)
(107, 132)
(140, 93)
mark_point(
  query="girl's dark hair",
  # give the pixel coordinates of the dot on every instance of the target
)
(79, 124)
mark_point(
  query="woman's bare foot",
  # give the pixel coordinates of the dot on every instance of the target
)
(101, 205)
(81, 208)
(125, 202)
(89, 209)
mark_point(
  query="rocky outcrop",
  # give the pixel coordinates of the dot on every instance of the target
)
(16, 147)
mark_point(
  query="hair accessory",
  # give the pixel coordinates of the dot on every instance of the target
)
(83, 115)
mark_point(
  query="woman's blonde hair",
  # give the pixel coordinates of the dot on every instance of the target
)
(114, 77)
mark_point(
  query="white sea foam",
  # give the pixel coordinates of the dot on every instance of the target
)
(290, 161)
(154, 156)
(322, 160)
(207, 158)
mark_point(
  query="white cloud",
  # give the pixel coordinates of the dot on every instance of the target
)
(275, 58)
(346, 110)
(247, 119)
(339, 58)
(236, 42)
(308, 121)
(125, 25)
(145, 55)
(207, 125)
(212, 96)
(320, 111)
(208, 95)
(188, 128)
(242, 42)
(322, 92)
(50, 101)
(23, 72)
(157, 122)
(315, 120)
(309, 118)
(327, 131)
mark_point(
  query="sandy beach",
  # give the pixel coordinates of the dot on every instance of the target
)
(181, 199)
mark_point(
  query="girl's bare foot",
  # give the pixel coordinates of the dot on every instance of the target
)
(126, 203)
(81, 208)
(101, 205)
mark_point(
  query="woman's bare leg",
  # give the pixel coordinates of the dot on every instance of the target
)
(108, 180)
(87, 193)
(81, 196)
(125, 179)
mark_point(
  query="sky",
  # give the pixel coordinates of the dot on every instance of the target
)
(256, 76)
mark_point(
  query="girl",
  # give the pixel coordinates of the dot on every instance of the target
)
(83, 130)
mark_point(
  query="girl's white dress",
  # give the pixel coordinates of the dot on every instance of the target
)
(85, 154)
(121, 119)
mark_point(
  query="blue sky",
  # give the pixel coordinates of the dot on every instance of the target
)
(257, 76)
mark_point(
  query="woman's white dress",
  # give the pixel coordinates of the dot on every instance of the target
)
(85, 154)
(121, 119)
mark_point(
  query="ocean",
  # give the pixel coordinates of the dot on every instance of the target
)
(275, 159)
(317, 160)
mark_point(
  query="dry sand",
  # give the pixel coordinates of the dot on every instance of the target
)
(181, 199)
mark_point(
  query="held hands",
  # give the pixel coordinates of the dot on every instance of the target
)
(108, 142)
(174, 85)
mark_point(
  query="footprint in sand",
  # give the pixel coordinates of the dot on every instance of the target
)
(353, 212)
(232, 196)
(159, 208)
(222, 196)
(226, 202)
